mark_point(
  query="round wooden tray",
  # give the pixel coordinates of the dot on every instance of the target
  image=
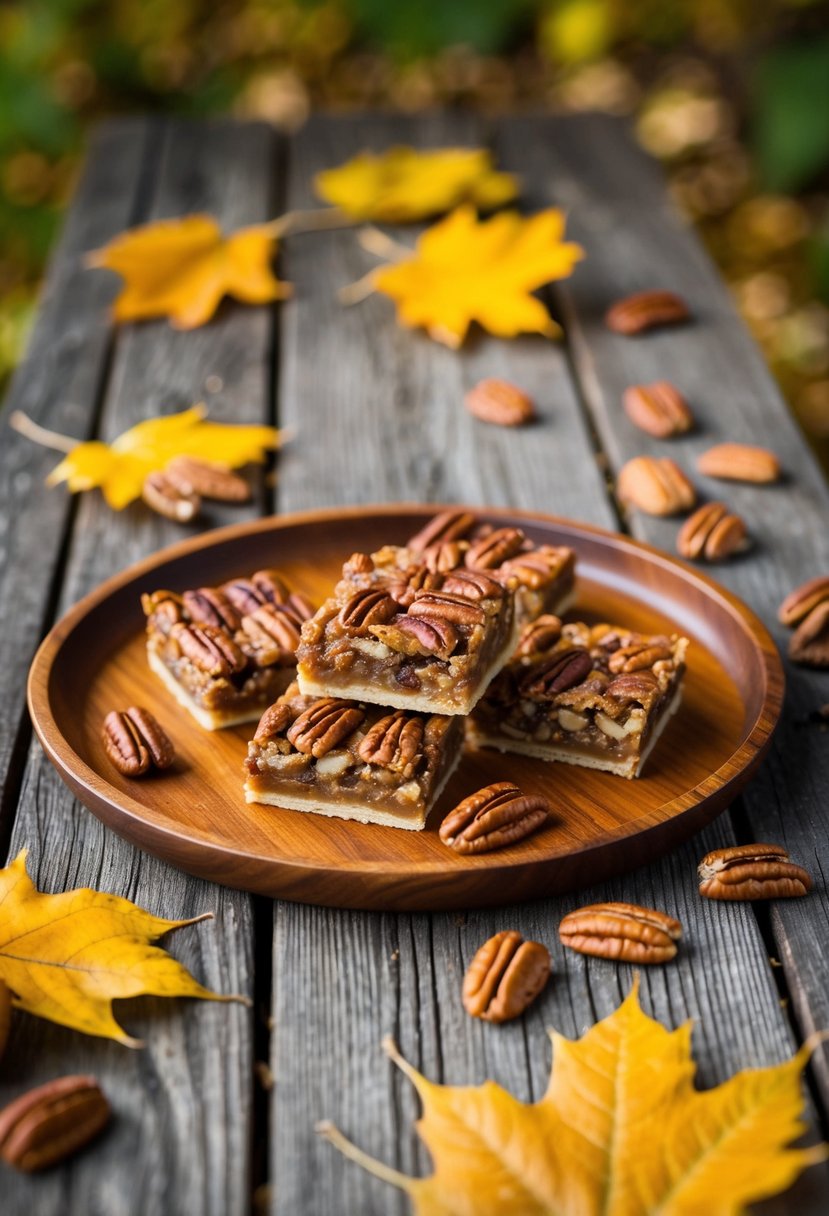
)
(195, 817)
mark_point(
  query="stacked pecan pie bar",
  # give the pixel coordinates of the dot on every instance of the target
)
(597, 696)
(225, 653)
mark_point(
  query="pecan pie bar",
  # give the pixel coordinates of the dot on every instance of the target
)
(351, 760)
(597, 696)
(225, 653)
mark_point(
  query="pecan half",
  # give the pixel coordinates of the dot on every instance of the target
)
(499, 402)
(323, 725)
(739, 462)
(799, 603)
(273, 631)
(752, 871)
(505, 976)
(165, 607)
(655, 485)
(165, 498)
(448, 525)
(646, 310)
(50, 1123)
(368, 606)
(135, 742)
(713, 532)
(641, 686)
(209, 606)
(537, 637)
(638, 655)
(493, 818)
(207, 478)
(443, 556)
(358, 563)
(440, 605)
(659, 409)
(499, 546)
(564, 670)
(244, 595)
(272, 723)
(209, 649)
(271, 584)
(474, 584)
(809, 643)
(535, 568)
(395, 743)
(415, 635)
(622, 932)
(412, 581)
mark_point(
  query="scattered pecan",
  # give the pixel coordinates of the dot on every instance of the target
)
(50, 1123)
(165, 498)
(659, 409)
(271, 584)
(209, 649)
(395, 743)
(638, 655)
(799, 603)
(474, 584)
(537, 637)
(323, 725)
(368, 606)
(505, 976)
(448, 525)
(209, 606)
(751, 871)
(656, 485)
(440, 605)
(809, 643)
(646, 310)
(415, 635)
(493, 818)
(491, 550)
(499, 402)
(443, 556)
(622, 932)
(273, 632)
(563, 670)
(135, 742)
(713, 532)
(272, 723)
(207, 478)
(739, 462)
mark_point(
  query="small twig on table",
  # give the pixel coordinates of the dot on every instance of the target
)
(384, 246)
(23, 424)
(294, 222)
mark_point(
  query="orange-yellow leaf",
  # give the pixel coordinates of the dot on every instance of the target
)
(466, 270)
(120, 468)
(182, 268)
(621, 1131)
(67, 957)
(406, 184)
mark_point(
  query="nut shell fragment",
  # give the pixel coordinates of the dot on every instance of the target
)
(505, 976)
(622, 932)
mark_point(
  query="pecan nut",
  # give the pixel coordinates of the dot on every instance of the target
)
(418, 635)
(505, 976)
(412, 581)
(272, 723)
(165, 498)
(554, 675)
(443, 556)
(659, 409)
(165, 607)
(244, 595)
(209, 606)
(448, 525)
(493, 818)
(810, 641)
(50, 1123)
(799, 603)
(739, 462)
(646, 310)
(496, 547)
(655, 485)
(207, 478)
(641, 686)
(539, 636)
(271, 584)
(474, 584)
(366, 607)
(273, 631)
(638, 655)
(752, 871)
(499, 402)
(209, 649)
(443, 606)
(395, 743)
(135, 742)
(713, 532)
(358, 563)
(623, 932)
(535, 568)
(323, 725)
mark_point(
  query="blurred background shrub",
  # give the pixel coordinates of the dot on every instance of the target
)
(732, 96)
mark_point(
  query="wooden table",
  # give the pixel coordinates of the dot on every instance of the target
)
(221, 1104)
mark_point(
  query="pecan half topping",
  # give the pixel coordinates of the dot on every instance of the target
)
(499, 402)
(208, 606)
(535, 568)
(655, 485)
(659, 409)
(505, 976)
(244, 595)
(638, 655)
(395, 743)
(412, 581)
(798, 603)
(739, 462)
(415, 635)
(272, 723)
(474, 584)
(492, 818)
(323, 725)
(358, 563)
(537, 637)
(273, 631)
(50, 1123)
(440, 605)
(368, 606)
(207, 478)
(622, 932)
(646, 310)
(712, 532)
(564, 670)
(443, 556)
(810, 641)
(165, 607)
(751, 871)
(165, 498)
(499, 546)
(448, 525)
(209, 649)
(641, 686)
(135, 742)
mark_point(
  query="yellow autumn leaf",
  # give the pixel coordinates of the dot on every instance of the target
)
(182, 268)
(66, 957)
(120, 468)
(404, 184)
(465, 269)
(621, 1131)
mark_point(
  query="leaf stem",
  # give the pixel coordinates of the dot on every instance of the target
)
(373, 240)
(23, 424)
(333, 1135)
(355, 293)
(314, 220)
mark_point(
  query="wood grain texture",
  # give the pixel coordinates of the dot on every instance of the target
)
(180, 1141)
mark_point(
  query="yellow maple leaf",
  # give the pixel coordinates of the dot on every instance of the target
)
(621, 1131)
(66, 957)
(404, 184)
(466, 270)
(182, 268)
(120, 468)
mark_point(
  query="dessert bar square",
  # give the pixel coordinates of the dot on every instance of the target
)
(351, 760)
(225, 653)
(598, 696)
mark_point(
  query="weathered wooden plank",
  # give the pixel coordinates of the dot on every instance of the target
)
(180, 1141)
(618, 208)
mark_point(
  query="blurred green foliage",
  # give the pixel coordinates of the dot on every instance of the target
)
(791, 114)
